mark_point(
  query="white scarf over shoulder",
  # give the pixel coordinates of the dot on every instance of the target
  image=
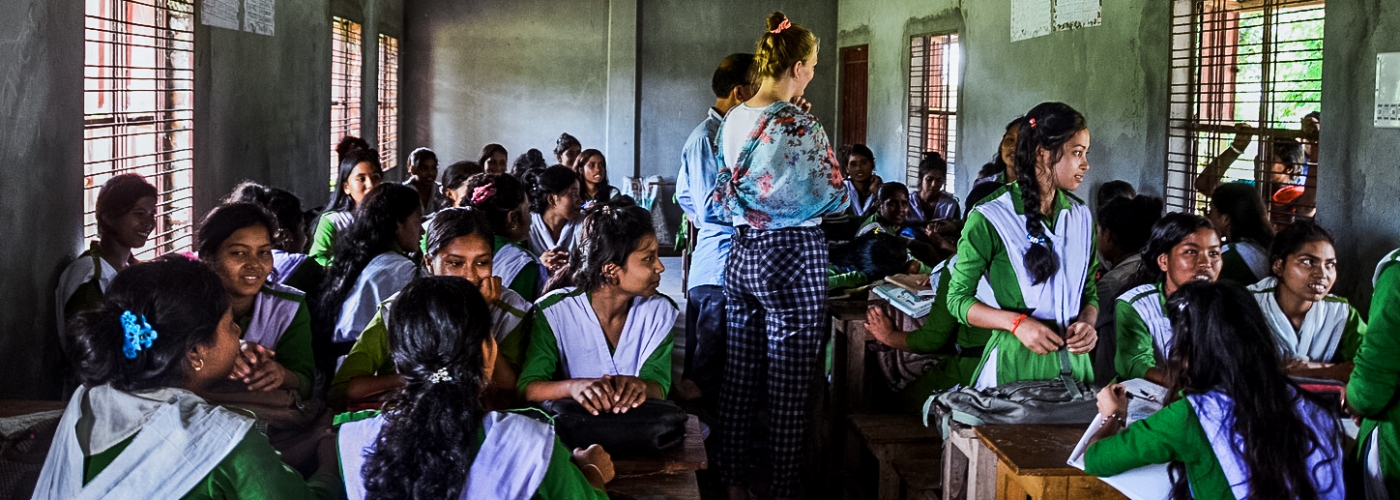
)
(583, 346)
(1322, 330)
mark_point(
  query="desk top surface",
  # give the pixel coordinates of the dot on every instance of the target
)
(689, 456)
(1034, 450)
(16, 407)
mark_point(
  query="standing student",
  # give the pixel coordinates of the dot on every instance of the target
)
(494, 158)
(592, 169)
(1002, 168)
(1239, 217)
(454, 182)
(236, 241)
(138, 427)
(1319, 332)
(359, 174)
(931, 202)
(778, 178)
(126, 215)
(1124, 225)
(422, 176)
(1370, 393)
(891, 211)
(556, 210)
(862, 185)
(1234, 425)
(372, 264)
(607, 342)
(507, 207)
(566, 150)
(435, 438)
(1183, 249)
(459, 243)
(732, 84)
(1035, 242)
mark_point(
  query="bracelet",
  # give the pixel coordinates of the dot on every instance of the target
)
(1236, 150)
(1017, 323)
(1114, 417)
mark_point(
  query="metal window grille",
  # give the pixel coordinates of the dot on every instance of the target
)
(388, 101)
(347, 66)
(934, 62)
(1257, 62)
(138, 109)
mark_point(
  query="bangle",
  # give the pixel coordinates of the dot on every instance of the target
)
(1017, 323)
(1115, 418)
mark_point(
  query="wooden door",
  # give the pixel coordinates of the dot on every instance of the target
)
(855, 80)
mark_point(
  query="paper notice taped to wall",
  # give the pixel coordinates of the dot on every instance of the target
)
(258, 16)
(1388, 90)
(1075, 14)
(220, 13)
(1034, 18)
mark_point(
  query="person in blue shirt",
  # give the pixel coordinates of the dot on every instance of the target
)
(704, 312)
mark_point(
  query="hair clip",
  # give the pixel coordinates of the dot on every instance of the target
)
(588, 205)
(782, 26)
(1032, 122)
(1034, 240)
(139, 334)
(483, 193)
(439, 376)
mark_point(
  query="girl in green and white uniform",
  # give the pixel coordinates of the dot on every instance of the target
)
(359, 174)
(1375, 380)
(1034, 241)
(1183, 248)
(126, 215)
(506, 203)
(1243, 223)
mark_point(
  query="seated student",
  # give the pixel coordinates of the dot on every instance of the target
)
(126, 215)
(1370, 393)
(423, 173)
(507, 207)
(139, 428)
(1235, 425)
(607, 343)
(556, 210)
(862, 185)
(871, 257)
(371, 264)
(454, 182)
(592, 169)
(236, 241)
(436, 439)
(892, 210)
(289, 243)
(566, 150)
(1002, 168)
(932, 203)
(531, 160)
(1183, 249)
(458, 244)
(1239, 217)
(493, 158)
(359, 174)
(1319, 332)
(1124, 226)
(1113, 190)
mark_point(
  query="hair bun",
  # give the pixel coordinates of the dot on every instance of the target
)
(775, 19)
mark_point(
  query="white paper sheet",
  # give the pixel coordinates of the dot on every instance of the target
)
(258, 16)
(220, 13)
(1145, 398)
(1152, 482)
(1030, 19)
(1073, 14)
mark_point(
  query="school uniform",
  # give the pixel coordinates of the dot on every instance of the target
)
(1243, 262)
(1111, 284)
(81, 287)
(514, 457)
(541, 240)
(370, 354)
(293, 270)
(705, 323)
(1144, 331)
(1331, 330)
(993, 244)
(1197, 431)
(281, 322)
(567, 341)
(940, 329)
(323, 237)
(1374, 381)
(383, 277)
(945, 206)
(876, 223)
(437, 201)
(165, 443)
(519, 269)
(861, 203)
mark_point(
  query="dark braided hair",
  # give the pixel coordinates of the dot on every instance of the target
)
(1047, 126)
(438, 324)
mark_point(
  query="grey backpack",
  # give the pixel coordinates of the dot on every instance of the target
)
(1060, 401)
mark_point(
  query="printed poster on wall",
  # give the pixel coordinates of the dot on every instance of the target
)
(1388, 90)
(258, 16)
(1034, 18)
(220, 13)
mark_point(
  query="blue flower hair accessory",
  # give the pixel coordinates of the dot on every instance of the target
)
(139, 334)
(1034, 240)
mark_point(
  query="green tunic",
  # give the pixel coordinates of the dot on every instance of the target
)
(527, 282)
(981, 252)
(323, 241)
(934, 336)
(1234, 269)
(294, 346)
(252, 470)
(1372, 390)
(1173, 434)
(542, 356)
(1136, 350)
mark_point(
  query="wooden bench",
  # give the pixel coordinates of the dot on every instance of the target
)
(669, 475)
(919, 478)
(969, 467)
(889, 438)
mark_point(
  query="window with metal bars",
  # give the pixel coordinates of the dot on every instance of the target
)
(1246, 80)
(346, 81)
(138, 109)
(388, 101)
(934, 62)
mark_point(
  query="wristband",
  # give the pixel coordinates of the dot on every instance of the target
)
(1236, 150)
(1017, 323)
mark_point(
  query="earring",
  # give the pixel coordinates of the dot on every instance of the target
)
(201, 365)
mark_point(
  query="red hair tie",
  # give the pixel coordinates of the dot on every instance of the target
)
(483, 193)
(1032, 121)
(782, 26)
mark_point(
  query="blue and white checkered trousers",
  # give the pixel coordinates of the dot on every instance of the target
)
(775, 286)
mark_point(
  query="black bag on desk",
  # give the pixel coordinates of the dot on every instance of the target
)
(1061, 401)
(656, 425)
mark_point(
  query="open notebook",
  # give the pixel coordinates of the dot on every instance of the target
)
(1152, 482)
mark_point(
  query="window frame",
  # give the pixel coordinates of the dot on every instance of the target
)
(921, 113)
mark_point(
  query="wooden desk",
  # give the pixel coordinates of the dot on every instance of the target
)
(17, 407)
(848, 334)
(669, 475)
(658, 486)
(1031, 463)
